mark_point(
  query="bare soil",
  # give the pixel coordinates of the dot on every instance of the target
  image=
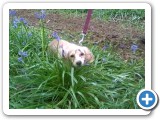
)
(120, 35)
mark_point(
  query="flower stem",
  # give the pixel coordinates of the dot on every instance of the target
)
(43, 38)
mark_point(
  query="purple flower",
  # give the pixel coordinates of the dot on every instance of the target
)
(25, 54)
(55, 35)
(105, 47)
(41, 15)
(22, 54)
(15, 25)
(23, 43)
(29, 34)
(15, 22)
(43, 11)
(12, 13)
(20, 59)
(134, 48)
(23, 20)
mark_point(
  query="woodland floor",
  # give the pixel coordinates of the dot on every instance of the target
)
(119, 34)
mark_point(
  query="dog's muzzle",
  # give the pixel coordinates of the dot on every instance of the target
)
(79, 63)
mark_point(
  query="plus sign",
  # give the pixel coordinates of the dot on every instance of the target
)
(147, 99)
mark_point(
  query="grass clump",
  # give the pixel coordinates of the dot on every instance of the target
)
(39, 80)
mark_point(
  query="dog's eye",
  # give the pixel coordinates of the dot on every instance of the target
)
(72, 56)
(81, 54)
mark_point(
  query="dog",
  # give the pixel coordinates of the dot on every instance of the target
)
(78, 55)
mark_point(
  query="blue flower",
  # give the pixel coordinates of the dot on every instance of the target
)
(22, 54)
(23, 20)
(105, 47)
(43, 11)
(134, 48)
(55, 35)
(104, 59)
(29, 34)
(12, 13)
(41, 15)
(20, 59)
(15, 22)
(25, 54)
(23, 43)
(15, 25)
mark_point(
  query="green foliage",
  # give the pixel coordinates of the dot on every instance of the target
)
(44, 81)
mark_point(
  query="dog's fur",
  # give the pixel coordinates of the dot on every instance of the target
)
(78, 55)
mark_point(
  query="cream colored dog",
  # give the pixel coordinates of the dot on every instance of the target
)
(78, 55)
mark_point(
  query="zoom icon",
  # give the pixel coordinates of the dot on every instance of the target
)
(147, 99)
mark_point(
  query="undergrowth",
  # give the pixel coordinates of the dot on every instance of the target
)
(40, 80)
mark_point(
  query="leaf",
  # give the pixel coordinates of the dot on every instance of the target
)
(64, 98)
(75, 102)
(81, 94)
(72, 76)
(83, 78)
(95, 98)
(63, 74)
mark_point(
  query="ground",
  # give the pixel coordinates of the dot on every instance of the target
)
(115, 33)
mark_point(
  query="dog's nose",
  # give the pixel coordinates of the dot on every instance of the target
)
(79, 63)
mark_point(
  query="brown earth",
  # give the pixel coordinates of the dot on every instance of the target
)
(120, 35)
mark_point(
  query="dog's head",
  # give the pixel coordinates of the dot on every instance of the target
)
(80, 56)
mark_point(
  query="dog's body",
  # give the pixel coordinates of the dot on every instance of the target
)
(78, 55)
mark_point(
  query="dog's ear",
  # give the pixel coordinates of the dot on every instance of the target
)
(89, 57)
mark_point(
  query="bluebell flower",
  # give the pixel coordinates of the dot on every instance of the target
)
(134, 48)
(105, 47)
(25, 54)
(29, 34)
(20, 59)
(23, 20)
(12, 13)
(41, 15)
(15, 22)
(23, 43)
(43, 11)
(15, 25)
(55, 35)
(22, 54)
(104, 59)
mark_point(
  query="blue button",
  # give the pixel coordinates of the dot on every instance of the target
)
(147, 99)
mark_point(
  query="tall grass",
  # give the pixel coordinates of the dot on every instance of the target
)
(43, 81)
